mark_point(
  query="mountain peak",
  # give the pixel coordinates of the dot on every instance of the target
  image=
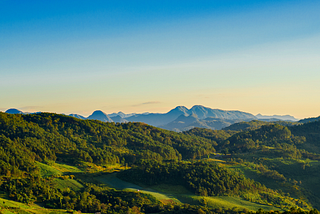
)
(198, 106)
(100, 115)
(77, 116)
(14, 111)
(180, 110)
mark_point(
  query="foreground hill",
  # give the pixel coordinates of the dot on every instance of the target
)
(281, 157)
(55, 159)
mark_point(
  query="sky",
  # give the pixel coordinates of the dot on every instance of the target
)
(78, 56)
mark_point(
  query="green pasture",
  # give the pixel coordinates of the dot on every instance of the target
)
(48, 171)
(226, 202)
(12, 207)
(56, 169)
(180, 194)
(68, 183)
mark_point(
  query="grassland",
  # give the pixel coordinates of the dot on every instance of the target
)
(10, 207)
(179, 194)
(302, 175)
(68, 183)
(56, 169)
(226, 202)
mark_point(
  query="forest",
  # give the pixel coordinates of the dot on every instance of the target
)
(267, 164)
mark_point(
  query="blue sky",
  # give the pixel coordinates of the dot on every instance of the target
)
(137, 56)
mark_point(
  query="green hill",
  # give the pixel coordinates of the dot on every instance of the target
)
(59, 162)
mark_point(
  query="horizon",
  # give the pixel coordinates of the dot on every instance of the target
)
(148, 56)
(116, 112)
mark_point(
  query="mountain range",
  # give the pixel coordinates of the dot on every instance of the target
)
(180, 118)
(276, 117)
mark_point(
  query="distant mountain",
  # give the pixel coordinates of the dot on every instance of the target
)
(78, 116)
(204, 112)
(184, 123)
(14, 111)
(158, 119)
(118, 119)
(197, 112)
(197, 116)
(256, 124)
(218, 123)
(100, 115)
(121, 114)
(276, 117)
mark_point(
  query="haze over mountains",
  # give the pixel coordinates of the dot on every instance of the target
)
(181, 118)
(276, 117)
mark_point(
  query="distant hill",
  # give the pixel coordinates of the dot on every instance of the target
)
(276, 117)
(100, 115)
(202, 117)
(255, 124)
(199, 112)
(311, 119)
(14, 111)
(78, 116)
(204, 112)
(118, 119)
(184, 123)
(157, 119)
(121, 114)
(311, 131)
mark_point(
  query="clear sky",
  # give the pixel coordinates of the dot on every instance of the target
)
(77, 56)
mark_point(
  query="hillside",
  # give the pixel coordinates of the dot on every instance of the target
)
(281, 157)
(61, 162)
(255, 124)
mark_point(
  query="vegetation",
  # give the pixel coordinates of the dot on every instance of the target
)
(62, 162)
(209, 179)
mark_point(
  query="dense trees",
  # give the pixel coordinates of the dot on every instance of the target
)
(156, 156)
(45, 137)
(208, 179)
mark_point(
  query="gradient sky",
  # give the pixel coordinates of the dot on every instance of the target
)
(77, 56)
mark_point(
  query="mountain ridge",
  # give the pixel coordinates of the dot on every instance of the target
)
(180, 118)
(277, 117)
(100, 115)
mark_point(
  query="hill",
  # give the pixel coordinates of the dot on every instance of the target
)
(276, 117)
(208, 118)
(13, 111)
(118, 119)
(56, 160)
(311, 119)
(255, 124)
(181, 118)
(184, 123)
(100, 115)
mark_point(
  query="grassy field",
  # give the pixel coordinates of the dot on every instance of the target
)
(56, 169)
(179, 194)
(48, 171)
(231, 202)
(68, 183)
(10, 207)
(302, 176)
